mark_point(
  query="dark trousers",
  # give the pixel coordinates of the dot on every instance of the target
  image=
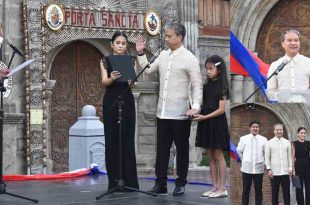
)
(247, 182)
(167, 132)
(304, 180)
(284, 180)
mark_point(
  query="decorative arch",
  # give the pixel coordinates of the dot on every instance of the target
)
(247, 18)
(287, 14)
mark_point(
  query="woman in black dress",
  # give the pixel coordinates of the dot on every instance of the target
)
(110, 114)
(212, 130)
(301, 155)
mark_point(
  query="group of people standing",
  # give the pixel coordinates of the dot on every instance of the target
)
(279, 159)
(179, 71)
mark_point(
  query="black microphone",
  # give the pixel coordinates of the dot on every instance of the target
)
(9, 42)
(281, 66)
(152, 60)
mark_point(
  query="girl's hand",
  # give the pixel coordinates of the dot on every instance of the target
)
(115, 75)
(130, 83)
(199, 117)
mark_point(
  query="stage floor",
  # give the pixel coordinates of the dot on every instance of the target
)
(83, 190)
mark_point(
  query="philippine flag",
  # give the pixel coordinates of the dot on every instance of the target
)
(244, 62)
(233, 152)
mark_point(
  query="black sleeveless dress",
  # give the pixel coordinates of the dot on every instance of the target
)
(302, 169)
(212, 133)
(111, 130)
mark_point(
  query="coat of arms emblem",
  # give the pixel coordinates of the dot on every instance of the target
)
(54, 17)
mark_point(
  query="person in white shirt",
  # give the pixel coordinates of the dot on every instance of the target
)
(278, 161)
(251, 151)
(295, 75)
(178, 71)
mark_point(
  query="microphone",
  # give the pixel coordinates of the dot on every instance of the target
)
(14, 48)
(281, 66)
(152, 59)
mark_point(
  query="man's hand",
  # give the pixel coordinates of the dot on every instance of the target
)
(140, 45)
(191, 112)
(290, 173)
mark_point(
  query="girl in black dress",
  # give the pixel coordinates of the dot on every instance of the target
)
(110, 114)
(301, 155)
(212, 130)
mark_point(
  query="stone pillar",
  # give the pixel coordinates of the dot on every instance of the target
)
(136, 97)
(13, 144)
(236, 88)
(248, 89)
(49, 91)
(146, 97)
(188, 15)
(86, 141)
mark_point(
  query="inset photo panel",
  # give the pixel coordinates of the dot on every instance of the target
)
(270, 51)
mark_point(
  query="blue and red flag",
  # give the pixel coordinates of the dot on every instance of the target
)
(234, 153)
(244, 62)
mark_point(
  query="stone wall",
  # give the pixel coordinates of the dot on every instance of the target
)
(14, 105)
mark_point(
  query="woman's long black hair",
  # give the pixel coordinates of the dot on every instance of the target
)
(117, 34)
(223, 88)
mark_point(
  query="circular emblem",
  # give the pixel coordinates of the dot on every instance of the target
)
(7, 82)
(54, 16)
(152, 23)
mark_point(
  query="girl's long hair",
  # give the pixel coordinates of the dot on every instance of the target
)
(223, 88)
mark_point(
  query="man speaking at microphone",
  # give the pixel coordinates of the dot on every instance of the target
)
(295, 75)
(178, 70)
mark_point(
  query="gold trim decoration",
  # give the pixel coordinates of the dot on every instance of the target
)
(54, 17)
(152, 22)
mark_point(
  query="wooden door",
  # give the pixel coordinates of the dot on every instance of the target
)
(213, 17)
(240, 119)
(285, 15)
(77, 74)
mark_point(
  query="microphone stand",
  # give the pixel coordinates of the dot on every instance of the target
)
(276, 72)
(12, 56)
(120, 184)
(2, 183)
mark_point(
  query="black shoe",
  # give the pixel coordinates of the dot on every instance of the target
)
(159, 189)
(179, 191)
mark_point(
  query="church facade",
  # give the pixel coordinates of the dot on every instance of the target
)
(46, 99)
